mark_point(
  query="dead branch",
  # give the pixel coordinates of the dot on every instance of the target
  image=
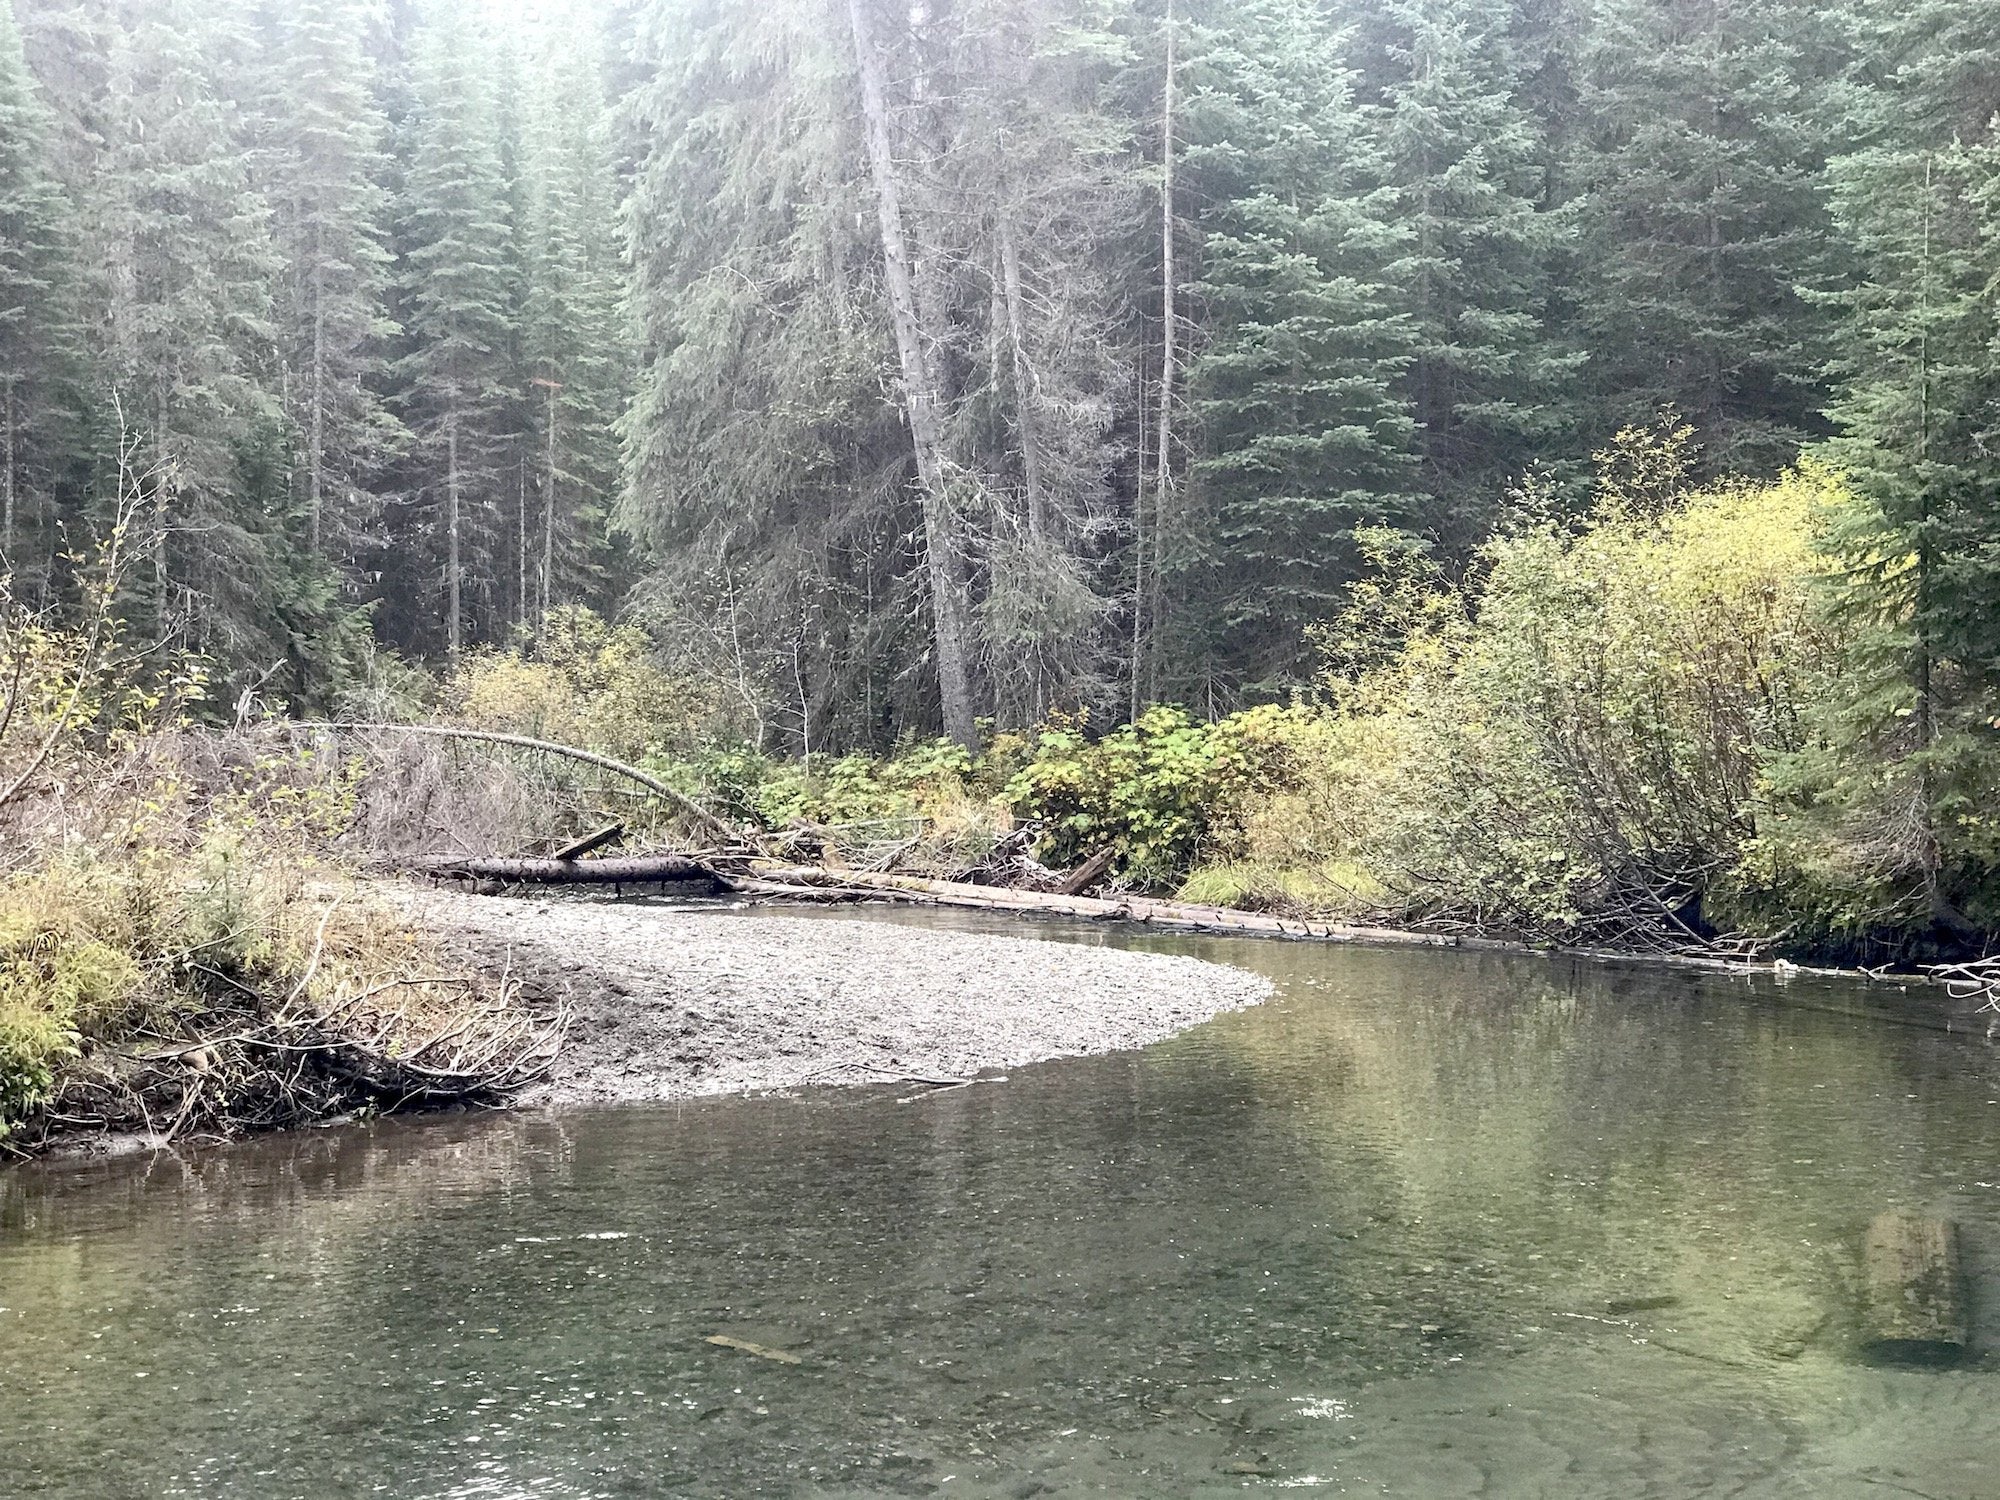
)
(690, 808)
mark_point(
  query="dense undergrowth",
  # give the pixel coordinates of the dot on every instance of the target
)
(1659, 726)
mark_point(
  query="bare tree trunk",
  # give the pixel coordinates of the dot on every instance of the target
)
(549, 506)
(950, 608)
(7, 383)
(1139, 546)
(1024, 381)
(316, 423)
(521, 542)
(162, 474)
(1169, 339)
(454, 619)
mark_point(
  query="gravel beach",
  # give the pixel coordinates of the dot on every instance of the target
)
(673, 1002)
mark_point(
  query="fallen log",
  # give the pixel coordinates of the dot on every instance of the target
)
(763, 879)
(1914, 1289)
(646, 869)
(1087, 874)
(590, 843)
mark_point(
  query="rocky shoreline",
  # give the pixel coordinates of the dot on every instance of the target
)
(671, 1001)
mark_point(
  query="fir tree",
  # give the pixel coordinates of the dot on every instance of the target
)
(1913, 775)
(183, 271)
(575, 340)
(1703, 217)
(1486, 384)
(37, 329)
(454, 381)
(324, 164)
(1299, 390)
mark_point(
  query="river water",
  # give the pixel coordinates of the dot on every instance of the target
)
(1428, 1224)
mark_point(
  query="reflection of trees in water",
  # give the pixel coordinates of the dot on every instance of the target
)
(1594, 1137)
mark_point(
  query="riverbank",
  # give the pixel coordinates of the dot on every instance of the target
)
(673, 1002)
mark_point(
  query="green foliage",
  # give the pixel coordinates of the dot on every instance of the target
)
(1164, 790)
(1577, 750)
(581, 681)
(1307, 435)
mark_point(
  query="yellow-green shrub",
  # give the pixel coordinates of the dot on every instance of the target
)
(1580, 744)
(588, 683)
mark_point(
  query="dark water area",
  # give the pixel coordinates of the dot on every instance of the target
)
(1428, 1224)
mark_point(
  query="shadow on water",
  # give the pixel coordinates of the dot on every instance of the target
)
(1429, 1223)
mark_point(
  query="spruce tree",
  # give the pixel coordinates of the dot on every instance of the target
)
(1912, 776)
(37, 329)
(1705, 136)
(575, 341)
(454, 381)
(1299, 390)
(1487, 383)
(181, 260)
(324, 164)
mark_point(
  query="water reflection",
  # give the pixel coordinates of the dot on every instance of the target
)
(1429, 1223)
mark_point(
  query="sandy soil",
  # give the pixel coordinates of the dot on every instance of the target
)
(671, 1002)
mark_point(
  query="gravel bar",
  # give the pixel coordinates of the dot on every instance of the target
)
(674, 1002)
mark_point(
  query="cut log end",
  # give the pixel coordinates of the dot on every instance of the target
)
(1914, 1286)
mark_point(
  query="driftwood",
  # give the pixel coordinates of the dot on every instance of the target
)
(692, 809)
(1914, 1288)
(590, 843)
(1087, 874)
(805, 882)
(637, 870)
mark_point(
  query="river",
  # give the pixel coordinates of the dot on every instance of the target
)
(1429, 1223)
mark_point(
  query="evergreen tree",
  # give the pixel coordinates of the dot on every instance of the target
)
(454, 381)
(1487, 383)
(1706, 136)
(1307, 435)
(324, 167)
(575, 340)
(766, 473)
(183, 270)
(1914, 776)
(37, 328)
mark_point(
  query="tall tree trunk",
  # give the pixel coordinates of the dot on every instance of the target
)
(549, 506)
(521, 543)
(7, 475)
(454, 620)
(1169, 342)
(316, 423)
(945, 570)
(1024, 380)
(162, 502)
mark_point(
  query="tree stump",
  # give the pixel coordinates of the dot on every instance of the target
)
(1914, 1288)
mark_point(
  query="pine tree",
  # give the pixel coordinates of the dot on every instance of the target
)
(37, 327)
(1306, 433)
(454, 380)
(324, 165)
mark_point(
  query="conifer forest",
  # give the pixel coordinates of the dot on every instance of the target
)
(1074, 374)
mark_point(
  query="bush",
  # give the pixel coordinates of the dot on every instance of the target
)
(587, 683)
(1575, 748)
(1165, 790)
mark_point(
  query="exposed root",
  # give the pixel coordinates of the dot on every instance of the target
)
(233, 1069)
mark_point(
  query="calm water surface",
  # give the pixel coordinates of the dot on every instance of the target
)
(1429, 1224)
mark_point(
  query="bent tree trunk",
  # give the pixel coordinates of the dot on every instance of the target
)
(943, 562)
